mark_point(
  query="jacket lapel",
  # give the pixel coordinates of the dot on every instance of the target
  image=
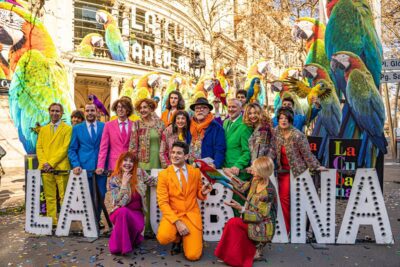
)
(59, 129)
(175, 179)
(100, 127)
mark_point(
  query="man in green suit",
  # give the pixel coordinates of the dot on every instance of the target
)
(237, 134)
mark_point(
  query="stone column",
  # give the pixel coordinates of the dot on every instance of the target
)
(114, 90)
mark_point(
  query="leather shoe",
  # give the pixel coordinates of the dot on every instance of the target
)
(176, 248)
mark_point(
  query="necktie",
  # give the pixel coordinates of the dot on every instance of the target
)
(92, 132)
(124, 134)
(52, 129)
(229, 125)
(183, 180)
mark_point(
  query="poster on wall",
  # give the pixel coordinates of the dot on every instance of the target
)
(343, 155)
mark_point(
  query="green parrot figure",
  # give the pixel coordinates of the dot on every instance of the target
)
(113, 35)
(39, 77)
(89, 43)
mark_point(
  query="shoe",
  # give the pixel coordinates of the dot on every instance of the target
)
(176, 248)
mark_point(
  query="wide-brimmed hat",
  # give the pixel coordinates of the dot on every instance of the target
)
(201, 101)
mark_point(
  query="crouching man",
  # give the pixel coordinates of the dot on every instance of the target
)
(178, 188)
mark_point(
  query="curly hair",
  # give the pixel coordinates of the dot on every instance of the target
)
(124, 103)
(287, 112)
(264, 118)
(150, 102)
(181, 101)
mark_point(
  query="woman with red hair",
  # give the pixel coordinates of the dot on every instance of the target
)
(128, 190)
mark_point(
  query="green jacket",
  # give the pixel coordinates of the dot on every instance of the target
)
(237, 144)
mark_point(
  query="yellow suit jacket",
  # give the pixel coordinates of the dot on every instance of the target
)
(53, 148)
(172, 201)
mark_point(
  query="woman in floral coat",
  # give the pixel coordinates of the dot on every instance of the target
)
(292, 153)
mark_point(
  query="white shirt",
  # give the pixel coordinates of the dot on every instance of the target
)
(89, 129)
(55, 125)
(120, 125)
(185, 173)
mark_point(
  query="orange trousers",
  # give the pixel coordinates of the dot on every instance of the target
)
(192, 243)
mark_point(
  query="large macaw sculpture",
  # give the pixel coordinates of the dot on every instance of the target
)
(149, 81)
(254, 84)
(313, 33)
(129, 86)
(329, 118)
(89, 43)
(365, 103)
(112, 35)
(222, 78)
(39, 77)
(351, 28)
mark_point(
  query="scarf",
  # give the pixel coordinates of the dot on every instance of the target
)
(198, 129)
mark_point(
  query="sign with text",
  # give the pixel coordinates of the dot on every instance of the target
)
(4, 84)
(343, 155)
(315, 144)
(390, 77)
(391, 64)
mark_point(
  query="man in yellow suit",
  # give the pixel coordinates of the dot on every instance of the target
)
(52, 152)
(178, 188)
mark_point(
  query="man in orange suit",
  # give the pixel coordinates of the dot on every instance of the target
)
(178, 188)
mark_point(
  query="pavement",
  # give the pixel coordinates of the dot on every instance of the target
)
(18, 248)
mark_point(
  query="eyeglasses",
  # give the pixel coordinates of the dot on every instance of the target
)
(200, 107)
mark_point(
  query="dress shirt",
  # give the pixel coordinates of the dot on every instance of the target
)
(89, 129)
(185, 173)
(126, 125)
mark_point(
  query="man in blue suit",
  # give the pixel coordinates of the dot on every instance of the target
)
(84, 149)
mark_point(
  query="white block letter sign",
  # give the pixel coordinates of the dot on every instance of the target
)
(34, 223)
(366, 206)
(77, 206)
(305, 201)
(281, 235)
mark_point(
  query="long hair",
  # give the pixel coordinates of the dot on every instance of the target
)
(175, 127)
(264, 118)
(118, 168)
(181, 101)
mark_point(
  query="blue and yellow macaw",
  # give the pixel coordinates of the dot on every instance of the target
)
(365, 103)
(254, 84)
(112, 35)
(39, 77)
(329, 118)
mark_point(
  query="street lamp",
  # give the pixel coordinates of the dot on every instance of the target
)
(197, 65)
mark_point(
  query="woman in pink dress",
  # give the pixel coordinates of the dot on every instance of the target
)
(128, 190)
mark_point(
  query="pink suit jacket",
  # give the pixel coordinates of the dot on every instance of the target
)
(112, 145)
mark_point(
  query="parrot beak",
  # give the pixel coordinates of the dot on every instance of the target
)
(208, 84)
(263, 67)
(303, 30)
(178, 80)
(306, 73)
(227, 71)
(97, 41)
(101, 17)
(154, 80)
(338, 64)
(276, 87)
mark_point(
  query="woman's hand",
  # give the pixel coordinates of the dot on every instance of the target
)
(126, 177)
(234, 204)
(227, 172)
(322, 169)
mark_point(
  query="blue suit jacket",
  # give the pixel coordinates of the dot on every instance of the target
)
(214, 144)
(83, 150)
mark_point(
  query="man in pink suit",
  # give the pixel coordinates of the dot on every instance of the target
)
(116, 135)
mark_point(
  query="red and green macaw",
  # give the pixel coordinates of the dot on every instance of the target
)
(313, 32)
(89, 43)
(112, 35)
(254, 84)
(365, 103)
(39, 77)
(329, 118)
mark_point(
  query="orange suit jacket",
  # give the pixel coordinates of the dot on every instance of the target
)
(173, 202)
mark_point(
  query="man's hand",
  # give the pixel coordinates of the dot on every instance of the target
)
(322, 169)
(47, 167)
(99, 171)
(77, 170)
(182, 228)
(234, 204)
(235, 170)
(207, 188)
